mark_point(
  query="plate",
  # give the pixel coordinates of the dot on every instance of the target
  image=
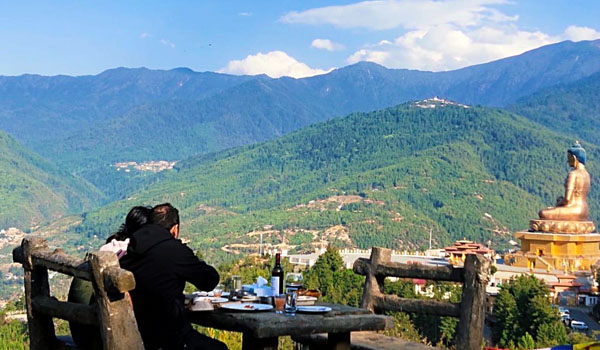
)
(247, 307)
(249, 298)
(304, 300)
(313, 309)
(214, 300)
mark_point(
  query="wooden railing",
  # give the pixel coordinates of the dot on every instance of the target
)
(112, 313)
(471, 311)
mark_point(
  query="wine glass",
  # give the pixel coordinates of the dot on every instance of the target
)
(294, 280)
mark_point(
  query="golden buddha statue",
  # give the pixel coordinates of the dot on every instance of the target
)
(573, 206)
(563, 237)
(571, 211)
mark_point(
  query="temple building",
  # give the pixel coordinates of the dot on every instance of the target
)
(458, 252)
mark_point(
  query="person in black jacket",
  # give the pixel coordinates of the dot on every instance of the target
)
(161, 265)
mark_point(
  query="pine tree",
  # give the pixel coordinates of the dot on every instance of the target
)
(526, 342)
(522, 310)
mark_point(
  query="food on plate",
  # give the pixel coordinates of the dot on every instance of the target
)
(309, 292)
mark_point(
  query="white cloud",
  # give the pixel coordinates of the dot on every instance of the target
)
(274, 64)
(245, 14)
(581, 33)
(326, 44)
(409, 14)
(167, 43)
(144, 35)
(436, 35)
(369, 55)
(446, 47)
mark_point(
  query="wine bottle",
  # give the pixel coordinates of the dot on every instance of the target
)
(277, 276)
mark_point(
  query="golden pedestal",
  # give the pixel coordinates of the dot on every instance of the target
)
(562, 251)
(561, 226)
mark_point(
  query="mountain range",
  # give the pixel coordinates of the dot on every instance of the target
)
(91, 122)
(387, 178)
(571, 108)
(85, 124)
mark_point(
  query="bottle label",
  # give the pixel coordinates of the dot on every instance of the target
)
(275, 285)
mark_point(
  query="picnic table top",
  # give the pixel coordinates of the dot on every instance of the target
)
(267, 324)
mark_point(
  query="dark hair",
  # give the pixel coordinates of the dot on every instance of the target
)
(136, 218)
(165, 215)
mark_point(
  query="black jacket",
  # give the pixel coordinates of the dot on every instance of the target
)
(161, 265)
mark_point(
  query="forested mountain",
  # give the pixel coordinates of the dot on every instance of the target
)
(32, 191)
(138, 114)
(571, 108)
(63, 104)
(382, 178)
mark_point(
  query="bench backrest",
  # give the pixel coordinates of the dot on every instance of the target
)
(112, 313)
(471, 311)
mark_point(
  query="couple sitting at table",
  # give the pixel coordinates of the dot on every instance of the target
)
(148, 246)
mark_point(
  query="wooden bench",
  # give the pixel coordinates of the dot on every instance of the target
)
(112, 313)
(361, 341)
(471, 311)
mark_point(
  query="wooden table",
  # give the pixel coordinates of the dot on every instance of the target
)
(262, 329)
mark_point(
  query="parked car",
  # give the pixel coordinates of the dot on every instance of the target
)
(579, 325)
(565, 318)
(563, 310)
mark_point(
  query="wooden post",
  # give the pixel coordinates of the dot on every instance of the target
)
(118, 327)
(338, 341)
(41, 327)
(373, 283)
(249, 342)
(472, 306)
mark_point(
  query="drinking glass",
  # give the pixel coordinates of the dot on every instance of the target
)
(218, 291)
(237, 282)
(290, 302)
(279, 301)
(294, 281)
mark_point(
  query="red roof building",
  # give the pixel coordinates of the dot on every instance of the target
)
(458, 252)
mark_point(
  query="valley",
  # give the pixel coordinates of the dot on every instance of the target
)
(341, 160)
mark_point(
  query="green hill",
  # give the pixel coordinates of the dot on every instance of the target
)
(572, 108)
(91, 122)
(383, 178)
(34, 191)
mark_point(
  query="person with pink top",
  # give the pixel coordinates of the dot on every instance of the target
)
(81, 291)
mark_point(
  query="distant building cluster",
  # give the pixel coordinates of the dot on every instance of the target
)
(438, 102)
(154, 166)
(434, 257)
(11, 236)
(9, 276)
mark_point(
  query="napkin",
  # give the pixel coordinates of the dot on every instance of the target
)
(117, 247)
(259, 288)
(260, 281)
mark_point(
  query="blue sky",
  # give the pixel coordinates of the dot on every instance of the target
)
(280, 37)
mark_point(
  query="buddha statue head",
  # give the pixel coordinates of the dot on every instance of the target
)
(578, 153)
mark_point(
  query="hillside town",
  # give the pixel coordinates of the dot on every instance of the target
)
(11, 236)
(153, 166)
